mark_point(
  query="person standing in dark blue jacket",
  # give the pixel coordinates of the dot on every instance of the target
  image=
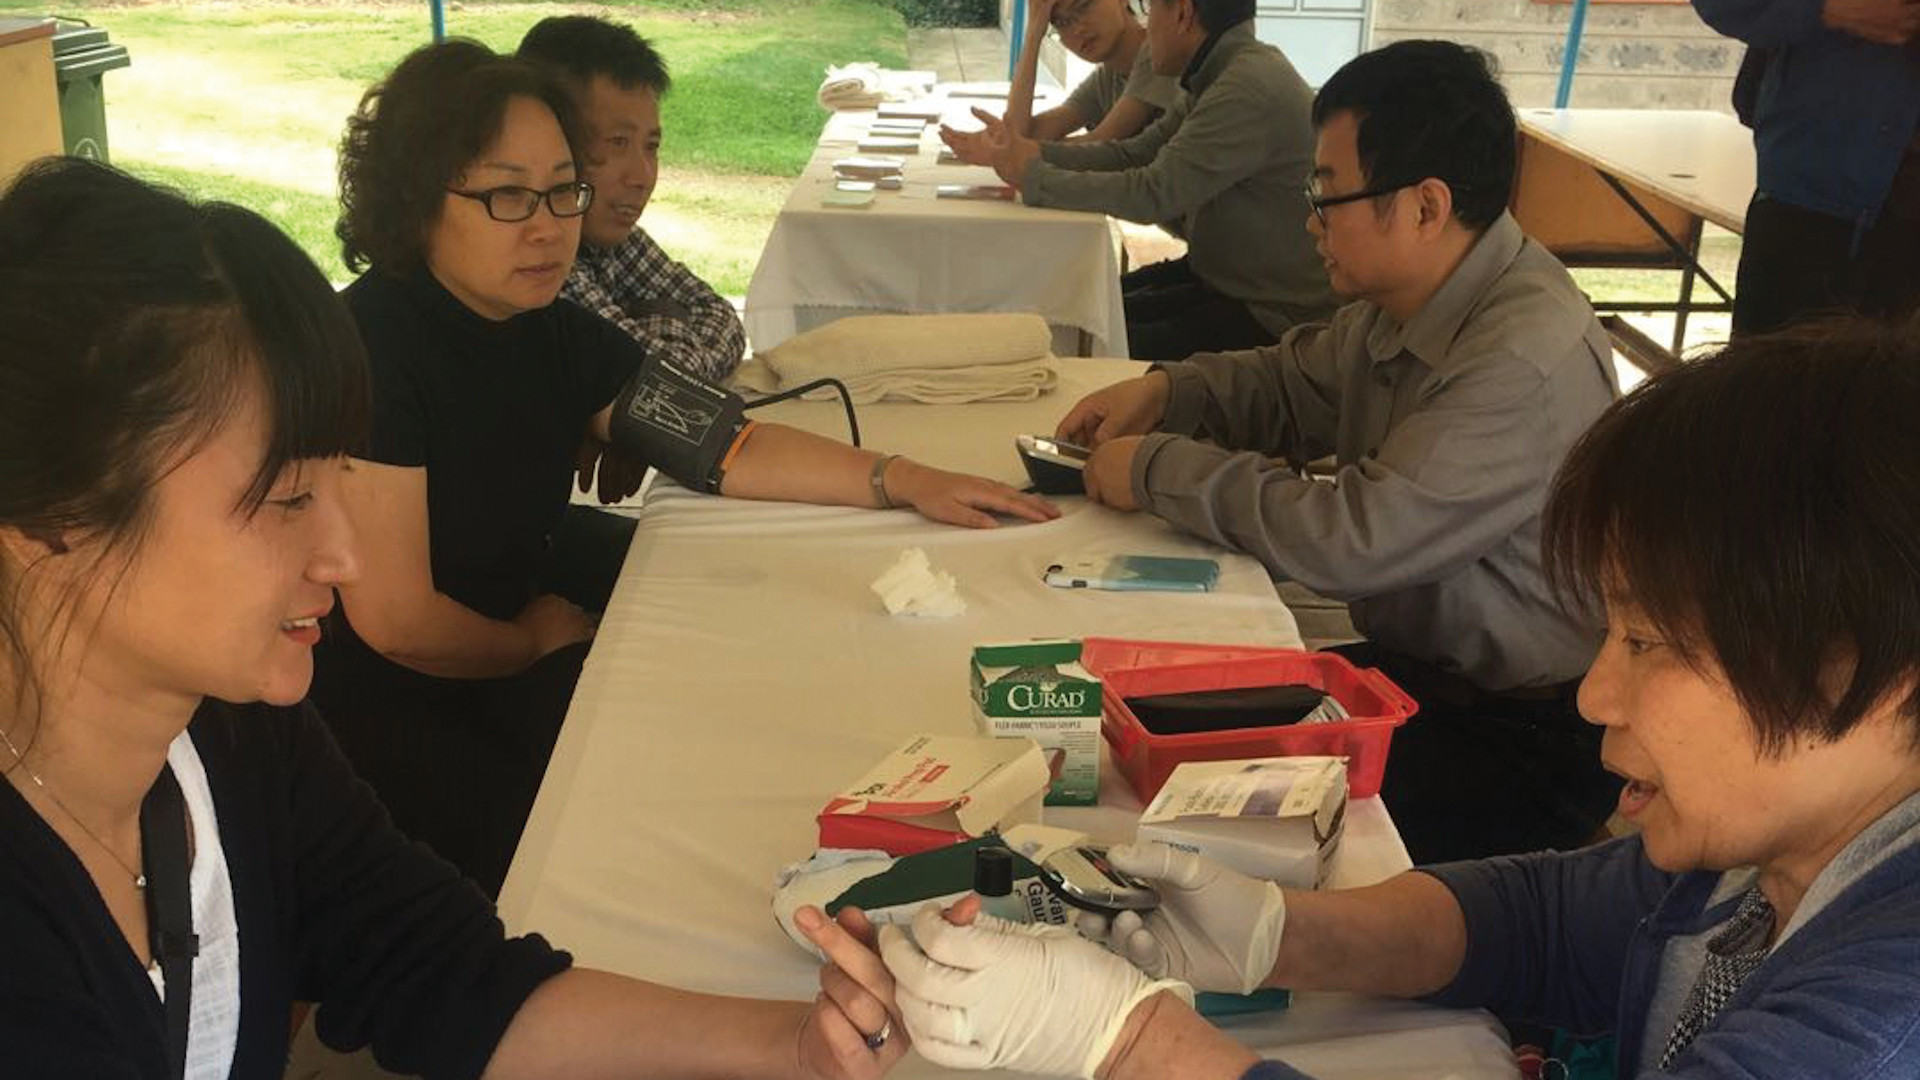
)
(1759, 692)
(1835, 222)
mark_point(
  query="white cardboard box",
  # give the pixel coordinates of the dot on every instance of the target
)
(1038, 690)
(936, 789)
(1274, 818)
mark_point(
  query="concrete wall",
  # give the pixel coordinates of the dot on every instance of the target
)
(1657, 56)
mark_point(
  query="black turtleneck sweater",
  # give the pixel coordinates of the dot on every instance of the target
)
(495, 412)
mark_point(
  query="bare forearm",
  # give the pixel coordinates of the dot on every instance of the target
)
(444, 637)
(790, 465)
(1026, 74)
(1164, 1038)
(1401, 938)
(585, 1024)
(780, 463)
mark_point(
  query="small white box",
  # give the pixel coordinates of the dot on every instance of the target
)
(937, 790)
(1274, 818)
(1037, 690)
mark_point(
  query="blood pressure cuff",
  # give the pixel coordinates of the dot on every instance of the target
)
(679, 424)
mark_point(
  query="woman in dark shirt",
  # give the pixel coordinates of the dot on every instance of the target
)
(177, 386)
(451, 668)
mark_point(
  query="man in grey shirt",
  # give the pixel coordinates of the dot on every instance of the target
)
(1448, 393)
(1226, 166)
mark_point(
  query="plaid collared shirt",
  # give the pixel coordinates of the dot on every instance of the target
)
(620, 283)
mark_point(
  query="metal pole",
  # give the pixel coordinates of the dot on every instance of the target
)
(1016, 36)
(1571, 57)
(439, 20)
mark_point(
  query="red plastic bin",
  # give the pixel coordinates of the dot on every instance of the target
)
(1139, 668)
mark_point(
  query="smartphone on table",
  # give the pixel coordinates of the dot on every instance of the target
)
(1134, 573)
(1055, 467)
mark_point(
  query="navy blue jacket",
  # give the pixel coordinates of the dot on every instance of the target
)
(1835, 112)
(1574, 941)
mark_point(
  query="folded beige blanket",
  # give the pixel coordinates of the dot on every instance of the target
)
(855, 86)
(936, 359)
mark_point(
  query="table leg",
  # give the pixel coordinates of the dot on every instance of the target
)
(1686, 289)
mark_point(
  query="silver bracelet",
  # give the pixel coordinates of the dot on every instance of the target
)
(877, 479)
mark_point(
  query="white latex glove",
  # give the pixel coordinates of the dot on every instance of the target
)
(1039, 999)
(1215, 928)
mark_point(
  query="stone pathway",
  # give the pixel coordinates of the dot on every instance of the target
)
(959, 55)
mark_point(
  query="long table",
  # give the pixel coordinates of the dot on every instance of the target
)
(913, 252)
(1632, 188)
(744, 671)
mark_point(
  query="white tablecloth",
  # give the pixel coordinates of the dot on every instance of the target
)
(912, 252)
(744, 672)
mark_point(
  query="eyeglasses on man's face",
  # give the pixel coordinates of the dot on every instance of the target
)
(1320, 202)
(511, 202)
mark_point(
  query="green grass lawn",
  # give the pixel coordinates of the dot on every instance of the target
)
(246, 101)
(1719, 256)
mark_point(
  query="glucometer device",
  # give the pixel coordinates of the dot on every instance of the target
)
(1055, 467)
(1084, 878)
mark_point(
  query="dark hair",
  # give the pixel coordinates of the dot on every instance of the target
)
(416, 132)
(135, 321)
(1219, 16)
(1430, 109)
(580, 47)
(1761, 506)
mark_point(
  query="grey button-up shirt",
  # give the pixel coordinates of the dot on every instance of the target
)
(1447, 429)
(1228, 162)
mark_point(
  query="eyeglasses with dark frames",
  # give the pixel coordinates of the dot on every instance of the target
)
(1320, 202)
(511, 203)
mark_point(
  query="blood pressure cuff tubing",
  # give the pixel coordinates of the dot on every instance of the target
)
(679, 424)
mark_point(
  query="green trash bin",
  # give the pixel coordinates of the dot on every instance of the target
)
(82, 56)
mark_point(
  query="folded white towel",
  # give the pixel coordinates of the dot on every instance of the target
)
(854, 86)
(937, 359)
(865, 85)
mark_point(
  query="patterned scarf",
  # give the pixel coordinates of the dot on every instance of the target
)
(1732, 955)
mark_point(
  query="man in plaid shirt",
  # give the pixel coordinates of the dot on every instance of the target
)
(621, 273)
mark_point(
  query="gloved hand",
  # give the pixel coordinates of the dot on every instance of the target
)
(1215, 928)
(1036, 998)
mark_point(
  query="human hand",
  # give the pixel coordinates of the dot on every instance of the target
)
(996, 994)
(1012, 151)
(1215, 928)
(1133, 407)
(1884, 22)
(553, 623)
(1039, 17)
(958, 498)
(618, 473)
(854, 1029)
(972, 147)
(1108, 474)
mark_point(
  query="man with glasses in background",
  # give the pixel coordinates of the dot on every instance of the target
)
(1223, 167)
(1121, 96)
(1448, 391)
